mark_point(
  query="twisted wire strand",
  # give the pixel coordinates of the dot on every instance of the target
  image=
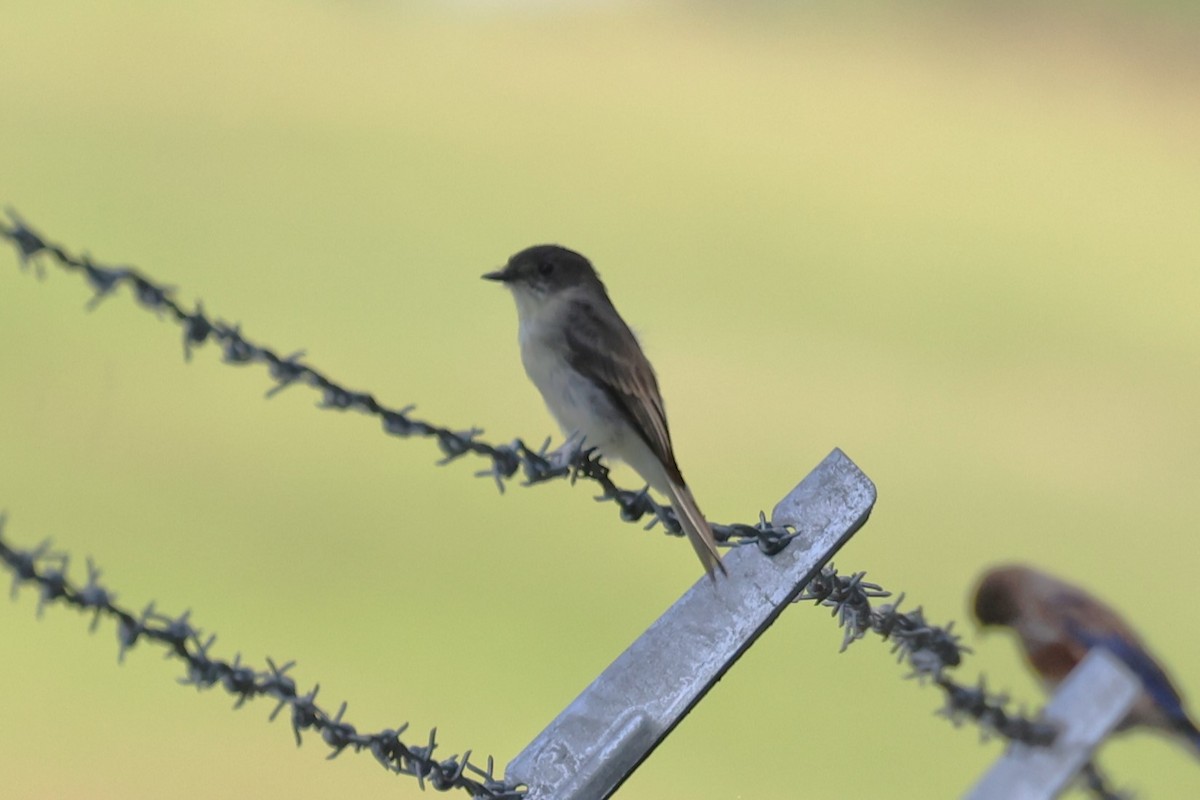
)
(46, 569)
(929, 650)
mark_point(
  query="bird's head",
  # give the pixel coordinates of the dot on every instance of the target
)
(997, 595)
(546, 269)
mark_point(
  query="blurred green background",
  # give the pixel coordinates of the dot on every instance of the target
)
(957, 240)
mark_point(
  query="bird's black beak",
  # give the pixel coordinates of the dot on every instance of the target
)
(502, 275)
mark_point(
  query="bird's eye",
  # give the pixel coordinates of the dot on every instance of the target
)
(545, 268)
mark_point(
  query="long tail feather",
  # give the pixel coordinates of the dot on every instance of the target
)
(697, 529)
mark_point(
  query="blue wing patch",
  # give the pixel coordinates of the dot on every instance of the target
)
(1154, 680)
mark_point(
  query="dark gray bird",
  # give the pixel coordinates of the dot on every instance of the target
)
(595, 379)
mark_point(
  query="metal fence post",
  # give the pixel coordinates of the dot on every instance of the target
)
(1087, 706)
(606, 732)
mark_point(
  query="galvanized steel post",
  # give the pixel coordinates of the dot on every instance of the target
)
(602, 737)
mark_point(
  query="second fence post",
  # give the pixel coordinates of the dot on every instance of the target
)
(1087, 707)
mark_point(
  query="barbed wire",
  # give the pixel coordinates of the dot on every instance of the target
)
(47, 570)
(929, 650)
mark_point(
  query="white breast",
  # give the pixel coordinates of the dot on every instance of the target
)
(579, 406)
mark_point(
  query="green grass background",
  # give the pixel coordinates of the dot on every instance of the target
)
(959, 242)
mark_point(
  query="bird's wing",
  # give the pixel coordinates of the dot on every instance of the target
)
(624, 373)
(1134, 656)
(1093, 624)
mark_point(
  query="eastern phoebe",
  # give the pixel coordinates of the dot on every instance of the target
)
(595, 379)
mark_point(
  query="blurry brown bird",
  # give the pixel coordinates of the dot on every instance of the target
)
(1057, 625)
